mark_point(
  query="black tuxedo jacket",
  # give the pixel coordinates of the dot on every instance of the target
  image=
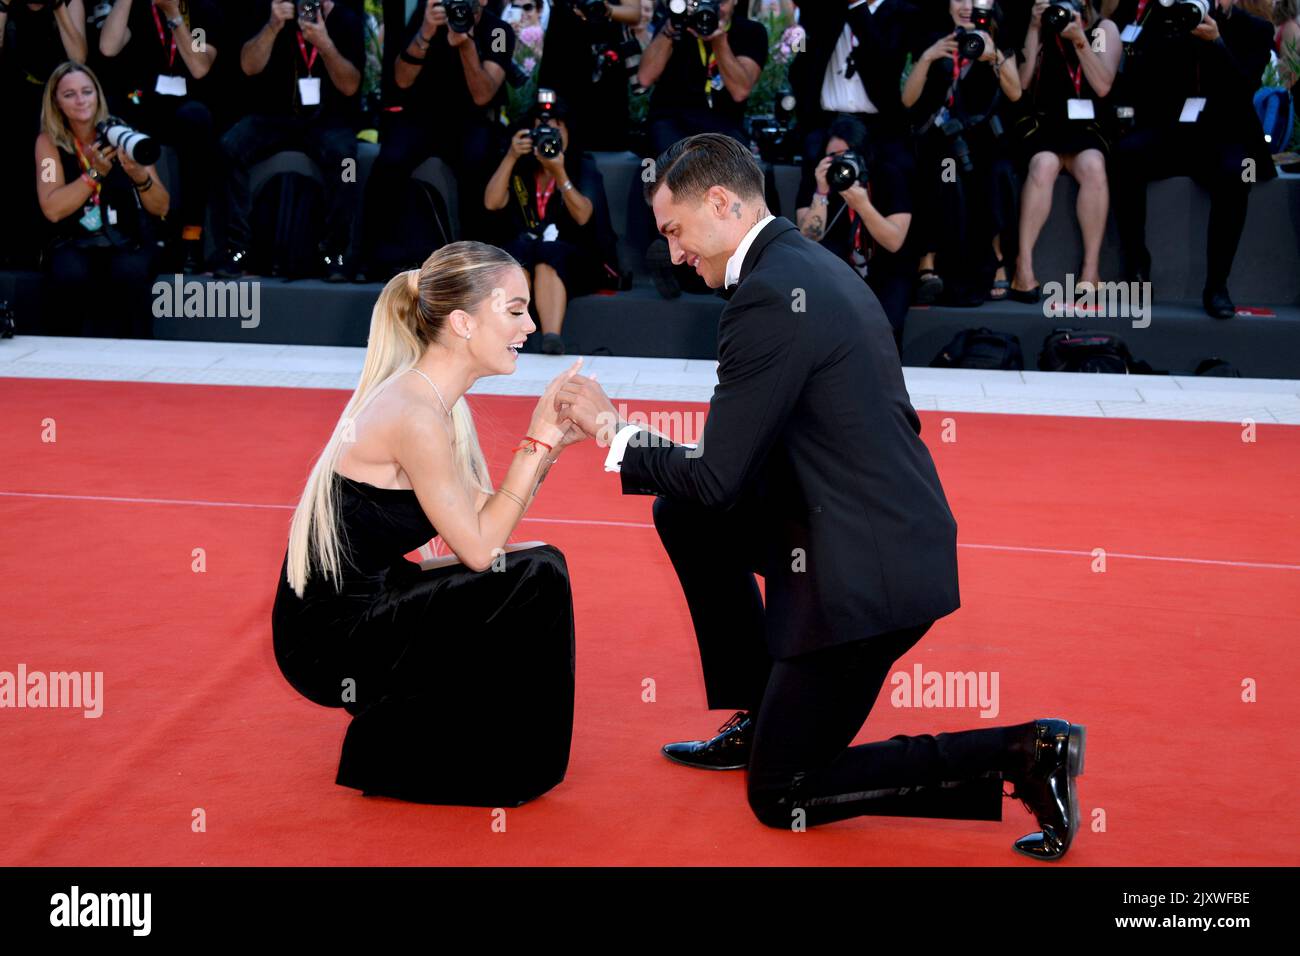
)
(811, 431)
(884, 40)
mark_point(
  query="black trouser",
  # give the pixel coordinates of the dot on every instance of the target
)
(100, 291)
(327, 141)
(186, 124)
(405, 143)
(20, 113)
(807, 709)
(1182, 149)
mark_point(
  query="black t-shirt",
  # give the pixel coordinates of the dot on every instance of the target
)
(522, 206)
(275, 91)
(887, 187)
(692, 66)
(33, 46)
(569, 62)
(146, 56)
(440, 91)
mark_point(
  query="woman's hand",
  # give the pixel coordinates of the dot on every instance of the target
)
(823, 185)
(521, 144)
(990, 53)
(549, 424)
(1074, 32)
(942, 47)
(102, 159)
(133, 169)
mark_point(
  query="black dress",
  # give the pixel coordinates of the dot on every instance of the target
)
(1046, 126)
(460, 683)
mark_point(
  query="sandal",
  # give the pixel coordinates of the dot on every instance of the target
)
(929, 286)
(1028, 296)
(1000, 285)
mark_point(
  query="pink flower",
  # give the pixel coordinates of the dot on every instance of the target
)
(529, 64)
(795, 38)
(531, 36)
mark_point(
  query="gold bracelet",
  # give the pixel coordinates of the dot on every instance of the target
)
(509, 493)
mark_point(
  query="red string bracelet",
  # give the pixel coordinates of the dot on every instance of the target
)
(534, 442)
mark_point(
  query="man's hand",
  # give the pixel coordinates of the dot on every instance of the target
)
(315, 32)
(585, 403)
(171, 9)
(281, 13)
(1207, 30)
(435, 16)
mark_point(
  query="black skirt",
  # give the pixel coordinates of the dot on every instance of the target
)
(460, 683)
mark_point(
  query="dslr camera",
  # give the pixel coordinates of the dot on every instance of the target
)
(546, 138)
(847, 169)
(309, 10)
(591, 9)
(1060, 14)
(1182, 16)
(702, 16)
(774, 132)
(142, 149)
(970, 45)
(460, 14)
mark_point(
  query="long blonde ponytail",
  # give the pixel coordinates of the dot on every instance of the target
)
(408, 315)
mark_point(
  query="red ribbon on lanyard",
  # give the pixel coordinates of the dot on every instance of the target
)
(162, 36)
(956, 75)
(1076, 75)
(543, 196)
(303, 47)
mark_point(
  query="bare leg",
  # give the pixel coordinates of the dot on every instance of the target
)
(1089, 169)
(1035, 205)
(551, 298)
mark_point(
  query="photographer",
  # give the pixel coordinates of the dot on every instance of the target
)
(104, 207)
(1067, 67)
(306, 65)
(701, 82)
(1191, 92)
(853, 65)
(955, 91)
(34, 39)
(154, 65)
(551, 202)
(585, 60)
(446, 90)
(864, 218)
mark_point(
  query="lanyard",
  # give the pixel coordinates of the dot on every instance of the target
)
(709, 60)
(162, 37)
(1137, 17)
(957, 63)
(1076, 75)
(303, 47)
(543, 196)
(85, 168)
(862, 241)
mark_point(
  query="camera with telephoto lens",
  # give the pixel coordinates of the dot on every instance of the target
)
(143, 150)
(702, 16)
(1060, 14)
(309, 10)
(847, 169)
(970, 45)
(1182, 16)
(460, 14)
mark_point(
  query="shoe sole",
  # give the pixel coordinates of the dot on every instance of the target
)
(701, 766)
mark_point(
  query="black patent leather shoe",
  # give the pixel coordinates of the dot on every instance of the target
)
(1217, 304)
(729, 750)
(1048, 790)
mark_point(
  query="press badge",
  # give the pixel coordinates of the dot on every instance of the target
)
(170, 85)
(309, 90)
(112, 216)
(1130, 33)
(550, 233)
(1192, 109)
(90, 220)
(1079, 109)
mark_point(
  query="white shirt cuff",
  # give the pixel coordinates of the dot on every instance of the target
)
(617, 448)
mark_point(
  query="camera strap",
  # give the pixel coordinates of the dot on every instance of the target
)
(531, 222)
(162, 37)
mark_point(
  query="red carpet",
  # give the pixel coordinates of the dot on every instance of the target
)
(1151, 655)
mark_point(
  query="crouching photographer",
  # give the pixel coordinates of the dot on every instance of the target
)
(1191, 69)
(860, 208)
(555, 203)
(96, 184)
(967, 193)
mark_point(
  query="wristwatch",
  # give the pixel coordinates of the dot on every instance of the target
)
(172, 24)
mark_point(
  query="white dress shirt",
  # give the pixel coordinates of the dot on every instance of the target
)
(838, 94)
(618, 447)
